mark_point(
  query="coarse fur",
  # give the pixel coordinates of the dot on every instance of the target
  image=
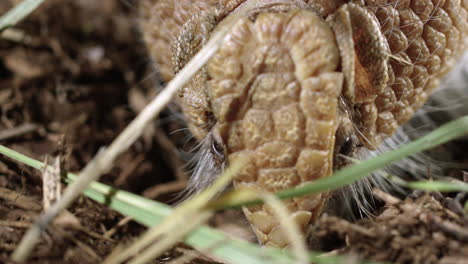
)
(208, 162)
(444, 105)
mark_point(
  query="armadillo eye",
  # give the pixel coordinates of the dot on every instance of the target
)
(217, 149)
(346, 146)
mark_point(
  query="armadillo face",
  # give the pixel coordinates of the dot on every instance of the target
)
(296, 79)
(273, 88)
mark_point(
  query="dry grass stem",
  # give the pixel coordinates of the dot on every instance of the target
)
(103, 161)
(17, 131)
(289, 228)
(171, 238)
(175, 225)
(51, 183)
(17, 13)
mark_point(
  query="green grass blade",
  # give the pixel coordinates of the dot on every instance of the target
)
(445, 133)
(19, 12)
(150, 213)
(439, 186)
(341, 178)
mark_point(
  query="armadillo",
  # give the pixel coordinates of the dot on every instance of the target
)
(297, 85)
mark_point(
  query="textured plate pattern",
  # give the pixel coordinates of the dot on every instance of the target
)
(161, 22)
(425, 39)
(274, 93)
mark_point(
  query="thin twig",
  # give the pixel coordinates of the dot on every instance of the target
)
(108, 234)
(16, 35)
(17, 131)
(16, 224)
(164, 188)
(20, 200)
(386, 197)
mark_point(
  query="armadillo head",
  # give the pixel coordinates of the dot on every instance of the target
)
(272, 94)
(283, 88)
(274, 89)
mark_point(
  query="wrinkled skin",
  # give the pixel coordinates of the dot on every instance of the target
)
(299, 82)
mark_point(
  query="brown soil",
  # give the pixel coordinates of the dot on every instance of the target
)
(422, 229)
(74, 81)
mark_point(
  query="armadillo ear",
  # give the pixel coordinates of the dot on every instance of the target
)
(364, 52)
